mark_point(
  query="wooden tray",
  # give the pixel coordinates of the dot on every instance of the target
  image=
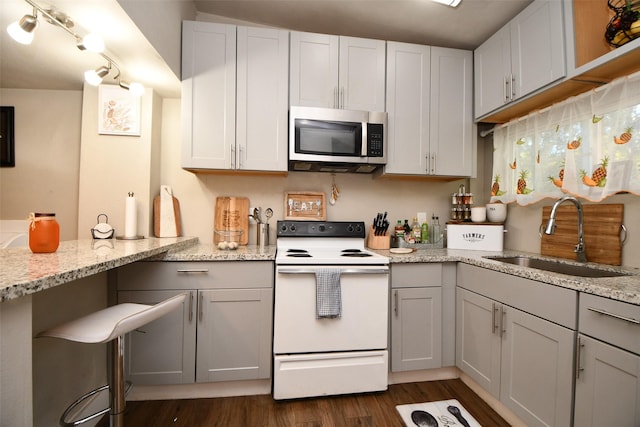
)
(232, 213)
(305, 205)
(602, 226)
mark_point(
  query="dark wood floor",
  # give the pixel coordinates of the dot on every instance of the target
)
(370, 409)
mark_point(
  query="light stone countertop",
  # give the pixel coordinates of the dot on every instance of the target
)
(23, 272)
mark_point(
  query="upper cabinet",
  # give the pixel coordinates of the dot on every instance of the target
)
(234, 97)
(430, 112)
(522, 57)
(337, 72)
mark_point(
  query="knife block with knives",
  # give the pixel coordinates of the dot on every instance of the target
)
(378, 237)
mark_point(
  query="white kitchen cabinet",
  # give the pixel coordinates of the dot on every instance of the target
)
(523, 56)
(429, 103)
(416, 316)
(234, 97)
(608, 363)
(337, 72)
(223, 332)
(515, 338)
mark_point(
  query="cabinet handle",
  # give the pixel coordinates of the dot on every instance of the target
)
(233, 157)
(506, 90)
(615, 316)
(200, 307)
(494, 310)
(433, 164)
(513, 87)
(193, 270)
(579, 346)
(190, 306)
(503, 313)
(241, 157)
(395, 303)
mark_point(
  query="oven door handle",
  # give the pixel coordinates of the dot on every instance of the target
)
(342, 271)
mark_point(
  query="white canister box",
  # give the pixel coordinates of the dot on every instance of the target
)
(475, 237)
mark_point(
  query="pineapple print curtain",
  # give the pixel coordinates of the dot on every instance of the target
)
(587, 146)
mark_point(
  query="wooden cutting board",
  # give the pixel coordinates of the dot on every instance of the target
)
(157, 215)
(232, 213)
(602, 226)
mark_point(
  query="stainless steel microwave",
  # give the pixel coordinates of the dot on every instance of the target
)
(332, 140)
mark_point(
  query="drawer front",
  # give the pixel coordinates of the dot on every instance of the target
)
(416, 275)
(195, 275)
(614, 322)
(553, 303)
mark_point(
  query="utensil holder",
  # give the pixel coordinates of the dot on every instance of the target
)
(262, 235)
(378, 242)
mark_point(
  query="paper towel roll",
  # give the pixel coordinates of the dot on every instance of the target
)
(130, 217)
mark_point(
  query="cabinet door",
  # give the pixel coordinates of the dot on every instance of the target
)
(537, 369)
(362, 74)
(262, 99)
(234, 334)
(537, 46)
(492, 68)
(478, 342)
(163, 351)
(416, 329)
(313, 70)
(408, 102)
(607, 386)
(451, 139)
(208, 95)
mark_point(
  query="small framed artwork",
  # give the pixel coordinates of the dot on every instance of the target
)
(7, 137)
(118, 111)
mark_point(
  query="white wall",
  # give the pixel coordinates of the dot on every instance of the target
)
(47, 146)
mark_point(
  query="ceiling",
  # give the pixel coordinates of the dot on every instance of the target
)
(138, 38)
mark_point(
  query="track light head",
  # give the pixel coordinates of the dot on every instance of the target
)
(91, 42)
(94, 77)
(135, 88)
(22, 31)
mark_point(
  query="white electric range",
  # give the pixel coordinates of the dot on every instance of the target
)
(346, 353)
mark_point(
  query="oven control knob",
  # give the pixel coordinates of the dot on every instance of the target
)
(350, 228)
(358, 228)
(283, 227)
(321, 228)
(292, 228)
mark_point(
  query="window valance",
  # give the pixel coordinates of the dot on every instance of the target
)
(587, 146)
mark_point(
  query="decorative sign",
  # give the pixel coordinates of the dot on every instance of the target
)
(118, 111)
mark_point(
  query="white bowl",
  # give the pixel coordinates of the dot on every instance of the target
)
(496, 212)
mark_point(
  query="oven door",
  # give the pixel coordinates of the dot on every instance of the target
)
(364, 319)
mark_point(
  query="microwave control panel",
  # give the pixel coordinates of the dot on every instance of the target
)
(375, 140)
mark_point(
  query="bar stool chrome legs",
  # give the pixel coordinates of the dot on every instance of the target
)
(110, 326)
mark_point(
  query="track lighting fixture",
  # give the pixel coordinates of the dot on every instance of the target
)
(23, 30)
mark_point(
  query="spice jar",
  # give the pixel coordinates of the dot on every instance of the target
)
(44, 232)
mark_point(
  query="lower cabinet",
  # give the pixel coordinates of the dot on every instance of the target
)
(222, 333)
(416, 316)
(608, 364)
(522, 359)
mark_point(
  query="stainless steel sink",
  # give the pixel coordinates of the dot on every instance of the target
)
(558, 267)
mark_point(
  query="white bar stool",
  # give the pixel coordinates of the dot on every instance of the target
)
(109, 326)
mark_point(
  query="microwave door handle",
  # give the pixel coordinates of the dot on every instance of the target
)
(363, 148)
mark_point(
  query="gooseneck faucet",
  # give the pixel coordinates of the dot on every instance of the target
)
(551, 225)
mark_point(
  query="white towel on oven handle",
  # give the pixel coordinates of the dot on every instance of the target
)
(328, 293)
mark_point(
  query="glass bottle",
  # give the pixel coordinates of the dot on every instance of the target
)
(416, 230)
(424, 232)
(44, 232)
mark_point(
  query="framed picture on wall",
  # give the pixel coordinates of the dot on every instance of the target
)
(7, 137)
(118, 111)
